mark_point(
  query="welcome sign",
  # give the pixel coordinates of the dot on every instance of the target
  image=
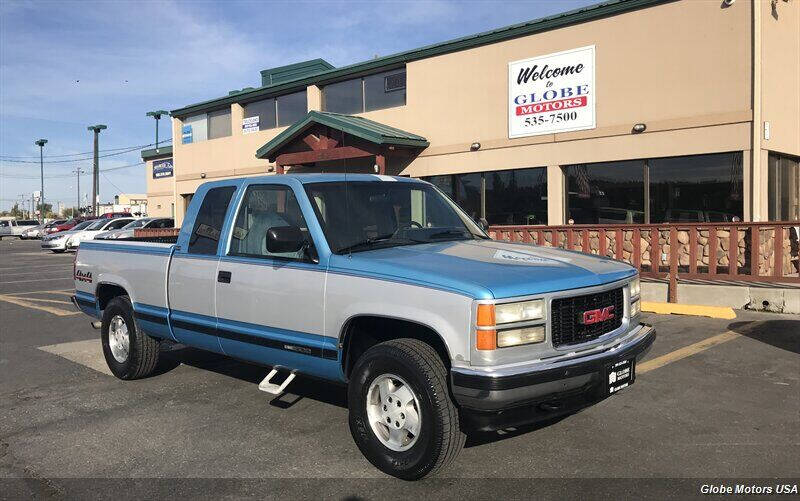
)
(552, 93)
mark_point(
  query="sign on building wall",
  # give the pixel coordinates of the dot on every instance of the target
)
(250, 124)
(552, 93)
(186, 134)
(162, 168)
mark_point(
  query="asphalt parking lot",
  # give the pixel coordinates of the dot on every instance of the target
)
(716, 399)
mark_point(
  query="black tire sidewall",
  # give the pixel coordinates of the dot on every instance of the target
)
(417, 461)
(122, 307)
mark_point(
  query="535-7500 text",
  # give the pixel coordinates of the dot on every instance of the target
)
(551, 118)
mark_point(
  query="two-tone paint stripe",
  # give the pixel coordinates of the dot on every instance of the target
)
(242, 332)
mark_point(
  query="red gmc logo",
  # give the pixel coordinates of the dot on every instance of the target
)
(598, 315)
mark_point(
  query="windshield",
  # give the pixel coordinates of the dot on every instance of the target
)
(139, 223)
(377, 214)
(96, 225)
(82, 226)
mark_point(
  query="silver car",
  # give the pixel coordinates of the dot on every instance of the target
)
(57, 242)
(128, 230)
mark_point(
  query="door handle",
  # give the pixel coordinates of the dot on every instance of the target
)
(224, 277)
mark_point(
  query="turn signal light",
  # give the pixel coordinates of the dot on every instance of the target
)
(485, 315)
(487, 340)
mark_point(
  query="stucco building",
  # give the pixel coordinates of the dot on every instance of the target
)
(627, 111)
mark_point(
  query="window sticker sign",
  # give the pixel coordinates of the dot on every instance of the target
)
(552, 93)
(186, 134)
(250, 125)
(162, 168)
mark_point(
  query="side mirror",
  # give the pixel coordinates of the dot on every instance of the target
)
(282, 239)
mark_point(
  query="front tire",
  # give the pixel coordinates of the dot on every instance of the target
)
(401, 415)
(57, 251)
(129, 352)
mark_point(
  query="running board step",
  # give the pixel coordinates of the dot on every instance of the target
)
(273, 388)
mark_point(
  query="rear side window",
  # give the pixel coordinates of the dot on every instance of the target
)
(208, 225)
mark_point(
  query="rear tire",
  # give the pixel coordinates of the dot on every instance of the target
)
(57, 251)
(129, 352)
(410, 374)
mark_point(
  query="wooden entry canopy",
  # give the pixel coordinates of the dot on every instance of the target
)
(323, 136)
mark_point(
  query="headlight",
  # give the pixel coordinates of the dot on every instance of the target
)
(519, 312)
(636, 308)
(516, 337)
(636, 287)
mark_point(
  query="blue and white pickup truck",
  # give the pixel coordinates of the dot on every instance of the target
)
(382, 284)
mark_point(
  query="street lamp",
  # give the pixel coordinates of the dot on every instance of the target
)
(40, 143)
(96, 182)
(157, 115)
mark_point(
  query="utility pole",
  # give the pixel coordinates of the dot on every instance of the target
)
(78, 171)
(96, 170)
(40, 143)
(157, 115)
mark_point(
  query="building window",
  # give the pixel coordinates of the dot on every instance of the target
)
(291, 108)
(195, 128)
(695, 188)
(516, 196)
(219, 124)
(607, 192)
(784, 188)
(373, 92)
(266, 112)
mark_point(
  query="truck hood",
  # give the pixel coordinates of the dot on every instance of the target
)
(485, 269)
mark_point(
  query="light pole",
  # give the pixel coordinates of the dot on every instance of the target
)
(96, 171)
(40, 143)
(157, 115)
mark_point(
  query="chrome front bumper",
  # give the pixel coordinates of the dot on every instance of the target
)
(498, 388)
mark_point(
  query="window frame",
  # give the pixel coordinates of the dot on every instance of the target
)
(362, 80)
(215, 253)
(310, 249)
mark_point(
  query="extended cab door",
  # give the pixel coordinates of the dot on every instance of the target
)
(270, 306)
(193, 270)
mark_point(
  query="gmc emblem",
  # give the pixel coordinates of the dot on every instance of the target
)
(599, 315)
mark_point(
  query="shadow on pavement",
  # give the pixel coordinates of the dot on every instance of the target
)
(301, 387)
(783, 334)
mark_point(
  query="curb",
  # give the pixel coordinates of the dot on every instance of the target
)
(689, 309)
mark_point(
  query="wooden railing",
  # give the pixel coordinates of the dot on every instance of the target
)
(165, 235)
(756, 252)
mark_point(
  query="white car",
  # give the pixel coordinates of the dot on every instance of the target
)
(57, 242)
(128, 230)
(14, 228)
(97, 226)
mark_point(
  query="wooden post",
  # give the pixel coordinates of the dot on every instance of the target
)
(637, 249)
(693, 250)
(673, 264)
(777, 248)
(733, 251)
(380, 161)
(712, 251)
(755, 244)
(603, 243)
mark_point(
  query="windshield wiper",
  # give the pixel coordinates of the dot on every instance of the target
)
(369, 242)
(451, 233)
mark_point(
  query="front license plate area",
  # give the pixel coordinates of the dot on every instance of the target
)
(620, 375)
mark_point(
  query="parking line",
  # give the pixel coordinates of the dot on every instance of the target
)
(37, 280)
(686, 351)
(64, 292)
(49, 309)
(38, 267)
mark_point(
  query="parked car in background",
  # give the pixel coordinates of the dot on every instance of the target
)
(41, 230)
(69, 224)
(57, 242)
(128, 230)
(97, 226)
(112, 215)
(15, 227)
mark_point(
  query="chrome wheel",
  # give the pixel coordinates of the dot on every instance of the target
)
(118, 339)
(393, 411)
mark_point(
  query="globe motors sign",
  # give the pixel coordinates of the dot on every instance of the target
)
(552, 93)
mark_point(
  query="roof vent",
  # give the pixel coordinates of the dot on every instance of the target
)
(396, 81)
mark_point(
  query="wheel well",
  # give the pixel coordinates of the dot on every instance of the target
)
(361, 333)
(107, 292)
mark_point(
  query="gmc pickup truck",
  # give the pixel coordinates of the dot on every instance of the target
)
(382, 284)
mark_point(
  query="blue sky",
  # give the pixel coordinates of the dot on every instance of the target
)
(66, 65)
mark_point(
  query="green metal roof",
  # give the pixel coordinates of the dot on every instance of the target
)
(356, 126)
(162, 151)
(581, 15)
(293, 71)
